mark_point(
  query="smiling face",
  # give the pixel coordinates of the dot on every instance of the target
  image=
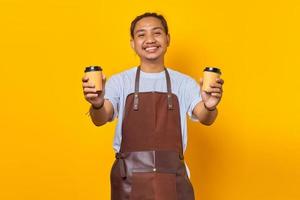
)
(150, 40)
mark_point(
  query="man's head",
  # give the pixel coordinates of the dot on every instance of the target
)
(147, 14)
(149, 36)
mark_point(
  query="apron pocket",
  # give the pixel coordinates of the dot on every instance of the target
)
(153, 186)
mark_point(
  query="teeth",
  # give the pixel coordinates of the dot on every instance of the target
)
(150, 48)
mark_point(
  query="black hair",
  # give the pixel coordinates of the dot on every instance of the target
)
(148, 14)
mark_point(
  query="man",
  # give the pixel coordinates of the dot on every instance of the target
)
(151, 102)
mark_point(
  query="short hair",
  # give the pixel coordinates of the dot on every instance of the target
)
(148, 14)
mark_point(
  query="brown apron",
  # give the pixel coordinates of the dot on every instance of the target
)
(150, 163)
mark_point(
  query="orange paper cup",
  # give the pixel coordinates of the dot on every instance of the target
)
(94, 73)
(210, 74)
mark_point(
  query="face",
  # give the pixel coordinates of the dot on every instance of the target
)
(150, 41)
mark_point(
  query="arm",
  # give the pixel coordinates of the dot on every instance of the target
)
(104, 114)
(204, 115)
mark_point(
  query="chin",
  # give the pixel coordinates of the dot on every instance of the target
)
(153, 57)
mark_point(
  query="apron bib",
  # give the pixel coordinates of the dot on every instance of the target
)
(150, 163)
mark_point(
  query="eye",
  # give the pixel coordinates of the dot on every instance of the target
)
(157, 33)
(141, 35)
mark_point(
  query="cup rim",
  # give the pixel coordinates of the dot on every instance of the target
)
(212, 69)
(92, 68)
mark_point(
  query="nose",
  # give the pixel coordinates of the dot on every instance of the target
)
(150, 39)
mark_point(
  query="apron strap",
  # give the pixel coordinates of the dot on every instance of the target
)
(136, 89)
(137, 85)
(170, 101)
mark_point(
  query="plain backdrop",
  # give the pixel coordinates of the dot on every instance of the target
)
(49, 148)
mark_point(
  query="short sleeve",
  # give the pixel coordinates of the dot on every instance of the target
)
(112, 94)
(192, 97)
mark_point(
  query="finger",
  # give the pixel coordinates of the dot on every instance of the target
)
(216, 90)
(89, 90)
(216, 94)
(88, 85)
(219, 80)
(91, 96)
(85, 79)
(215, 85)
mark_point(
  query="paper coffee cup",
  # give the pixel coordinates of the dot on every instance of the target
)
(210, 74)
(94, 73)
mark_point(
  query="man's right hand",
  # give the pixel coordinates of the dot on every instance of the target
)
(90, 94)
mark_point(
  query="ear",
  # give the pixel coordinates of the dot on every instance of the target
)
(168, 40)
(132, 43)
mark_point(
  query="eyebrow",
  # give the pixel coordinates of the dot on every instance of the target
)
(155, 28)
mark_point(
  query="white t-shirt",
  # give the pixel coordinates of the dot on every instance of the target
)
(119, 86)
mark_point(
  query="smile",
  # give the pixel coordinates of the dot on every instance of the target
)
(151, 49)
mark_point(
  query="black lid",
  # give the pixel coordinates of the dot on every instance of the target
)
(93, 68)
(212, 69)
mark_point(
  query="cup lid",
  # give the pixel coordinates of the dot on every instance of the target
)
(93, 68)
(212, 69)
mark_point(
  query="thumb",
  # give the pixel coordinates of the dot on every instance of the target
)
(103, 79)
(201, 82)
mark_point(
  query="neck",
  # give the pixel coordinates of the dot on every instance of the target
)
(152, 67)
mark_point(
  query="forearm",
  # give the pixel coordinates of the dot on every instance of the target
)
(205, 116)
(101, 116)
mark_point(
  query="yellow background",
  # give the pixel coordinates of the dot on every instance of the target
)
(50, 148)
